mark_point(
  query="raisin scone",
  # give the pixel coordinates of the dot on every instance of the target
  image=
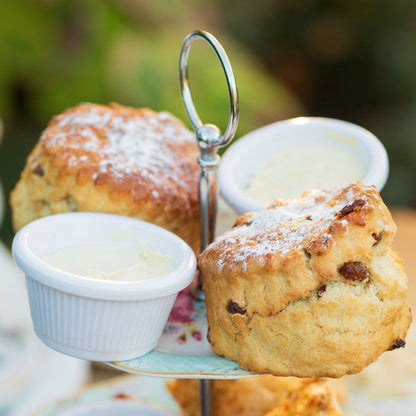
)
(243, 397)
(254, 396)
(309, 287)
(310, 398)
(117, 160)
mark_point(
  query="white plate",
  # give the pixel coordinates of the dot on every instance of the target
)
(119, 408)
(55, 377)
(31, 375)
(147, 395)
(19, 349)
(19, 355)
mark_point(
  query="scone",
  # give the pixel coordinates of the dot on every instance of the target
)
(310, 398)
(309, 287)
(245, 397)
(242, 397)
(113, 159)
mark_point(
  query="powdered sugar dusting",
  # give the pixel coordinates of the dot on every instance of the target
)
(288, 225)
(124, 145)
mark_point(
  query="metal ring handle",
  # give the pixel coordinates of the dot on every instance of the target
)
(186, 93)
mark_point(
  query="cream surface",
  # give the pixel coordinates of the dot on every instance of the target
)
(292, 171)
(112, 262)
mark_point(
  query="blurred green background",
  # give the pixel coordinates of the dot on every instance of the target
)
(336, 58)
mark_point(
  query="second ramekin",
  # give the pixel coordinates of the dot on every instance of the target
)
(244, 156)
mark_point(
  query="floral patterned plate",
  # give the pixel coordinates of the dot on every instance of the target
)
(183, 350)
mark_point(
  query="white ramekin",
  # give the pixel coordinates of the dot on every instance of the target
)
(244, 156)
(96, 319)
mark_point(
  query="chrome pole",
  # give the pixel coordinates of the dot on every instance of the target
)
(209, 140)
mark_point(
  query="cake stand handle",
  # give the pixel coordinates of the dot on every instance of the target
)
(209, 140)
(208, 136)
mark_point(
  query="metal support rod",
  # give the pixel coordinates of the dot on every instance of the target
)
(205, 397)
(208, 195)
(209, 140)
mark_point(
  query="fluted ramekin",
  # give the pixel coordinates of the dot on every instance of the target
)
(96, 319)
(252, 150)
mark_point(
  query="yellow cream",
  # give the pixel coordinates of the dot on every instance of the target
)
(290, 172)
(112, 261)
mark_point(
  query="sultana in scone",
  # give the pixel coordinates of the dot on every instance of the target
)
(113, 159)
(309, 287)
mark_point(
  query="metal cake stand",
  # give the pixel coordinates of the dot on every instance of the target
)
(183, 351)
(209, 140)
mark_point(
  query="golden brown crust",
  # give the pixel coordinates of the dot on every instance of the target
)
(309, 287)
(113, 159)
